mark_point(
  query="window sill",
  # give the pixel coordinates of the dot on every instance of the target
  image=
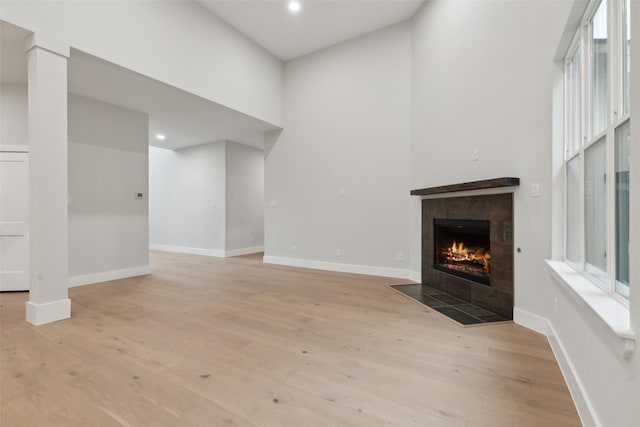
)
(613, 313)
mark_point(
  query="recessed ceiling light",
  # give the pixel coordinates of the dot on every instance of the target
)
(160, 137)
(294, 6)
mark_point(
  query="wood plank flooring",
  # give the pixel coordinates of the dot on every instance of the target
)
(234, 342)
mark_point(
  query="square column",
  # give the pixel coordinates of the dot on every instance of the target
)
(48, 186)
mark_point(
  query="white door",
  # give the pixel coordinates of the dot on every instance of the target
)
(14, 212)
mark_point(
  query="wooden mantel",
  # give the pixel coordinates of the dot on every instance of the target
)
(465, 186)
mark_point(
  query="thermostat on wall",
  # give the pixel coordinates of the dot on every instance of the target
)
(139, 195)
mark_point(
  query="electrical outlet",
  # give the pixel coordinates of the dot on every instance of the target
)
(400, 256)
(475, 155)
(338, 252)
(293, 248)
(343, 192)
(555, 304)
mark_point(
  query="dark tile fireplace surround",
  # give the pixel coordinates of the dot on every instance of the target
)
(467, 244)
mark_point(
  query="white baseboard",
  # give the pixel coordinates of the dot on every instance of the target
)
(39, 314)
(187, 250)
(585, 409)
(531, 321)
(343, 268)
(541, 325)
(207, 252)
(415, 276)
(105, 276)
(244, 251)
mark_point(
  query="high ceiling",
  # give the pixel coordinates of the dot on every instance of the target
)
(187, 119)
(13, 61)
(318, 24)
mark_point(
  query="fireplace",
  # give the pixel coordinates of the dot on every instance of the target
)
(480, 268)
(462, 248)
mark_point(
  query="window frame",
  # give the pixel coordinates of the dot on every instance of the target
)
(615, 117)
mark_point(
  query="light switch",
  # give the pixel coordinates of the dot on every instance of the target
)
(535, 189)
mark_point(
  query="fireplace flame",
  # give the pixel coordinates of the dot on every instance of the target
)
(459, 249)
(459, 253)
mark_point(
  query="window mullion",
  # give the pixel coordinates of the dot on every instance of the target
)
(611, 210)
(612, 116)
(586, 129)
(566, 145)
(615, 56)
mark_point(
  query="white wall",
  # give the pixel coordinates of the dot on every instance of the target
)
(482, 73)
(244, 197)
(108, 164)
(177, 42)
(207, 199)
(13, 114)
(347, 126)
(187, 198)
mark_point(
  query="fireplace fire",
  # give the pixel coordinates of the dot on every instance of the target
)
(462, 248)
(458, 256)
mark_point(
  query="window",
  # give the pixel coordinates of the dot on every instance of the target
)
(595, 210)
(622, 159)
(573, 210)
(575, 120)
(598, 49)
(626, 56)
(597, 146)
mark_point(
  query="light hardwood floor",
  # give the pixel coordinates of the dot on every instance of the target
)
(220, 342)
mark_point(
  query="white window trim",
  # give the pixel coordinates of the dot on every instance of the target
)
(581, 40)
(610, 307)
